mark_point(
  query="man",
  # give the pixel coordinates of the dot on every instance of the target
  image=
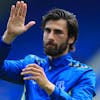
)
(56, 77)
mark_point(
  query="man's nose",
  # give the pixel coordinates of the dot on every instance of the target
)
(51, 35)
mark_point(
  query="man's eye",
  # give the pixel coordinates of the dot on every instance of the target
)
(47, 30)
(58, 32)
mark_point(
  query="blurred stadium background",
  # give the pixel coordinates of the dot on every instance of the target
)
(87, 46)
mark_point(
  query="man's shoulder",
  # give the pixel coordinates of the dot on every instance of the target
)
(31, 58)
(82, 69)
(79, 66)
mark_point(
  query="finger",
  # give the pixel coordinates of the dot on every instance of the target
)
(38, 67)
(33, 67)
(24, 11)
(30, 73)
(21, 7)
(29, 25)
(30, 69)
(12, 13)
(17, 8)
(30, 78)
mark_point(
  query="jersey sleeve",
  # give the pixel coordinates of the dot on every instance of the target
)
(9, 69)
(83, 90)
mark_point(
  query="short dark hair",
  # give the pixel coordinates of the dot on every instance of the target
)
(72, 23)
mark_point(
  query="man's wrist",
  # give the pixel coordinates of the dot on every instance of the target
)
(49, 88)
(8, 38)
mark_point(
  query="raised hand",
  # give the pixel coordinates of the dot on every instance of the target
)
(16, 23)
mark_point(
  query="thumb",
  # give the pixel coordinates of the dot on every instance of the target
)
(29, 25)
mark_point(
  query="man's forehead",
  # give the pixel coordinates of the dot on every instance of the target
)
(58, 24)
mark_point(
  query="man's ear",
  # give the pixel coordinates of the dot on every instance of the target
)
(71, 40)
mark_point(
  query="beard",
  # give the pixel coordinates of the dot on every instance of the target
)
(52, 49)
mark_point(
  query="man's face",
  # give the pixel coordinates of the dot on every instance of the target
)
(55, 37)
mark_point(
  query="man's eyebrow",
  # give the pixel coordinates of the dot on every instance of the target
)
(46, 28)
(57, 29)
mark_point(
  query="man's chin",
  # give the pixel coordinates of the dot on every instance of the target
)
(51, 52)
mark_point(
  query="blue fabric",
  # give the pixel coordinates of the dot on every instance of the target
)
(73, 80)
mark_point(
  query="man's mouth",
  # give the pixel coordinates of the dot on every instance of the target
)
(50, 45)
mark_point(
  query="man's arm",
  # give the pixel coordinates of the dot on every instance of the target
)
(15, 27)
(83, 90)
(10, 70)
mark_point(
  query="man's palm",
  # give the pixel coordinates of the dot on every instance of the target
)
(16, 24)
